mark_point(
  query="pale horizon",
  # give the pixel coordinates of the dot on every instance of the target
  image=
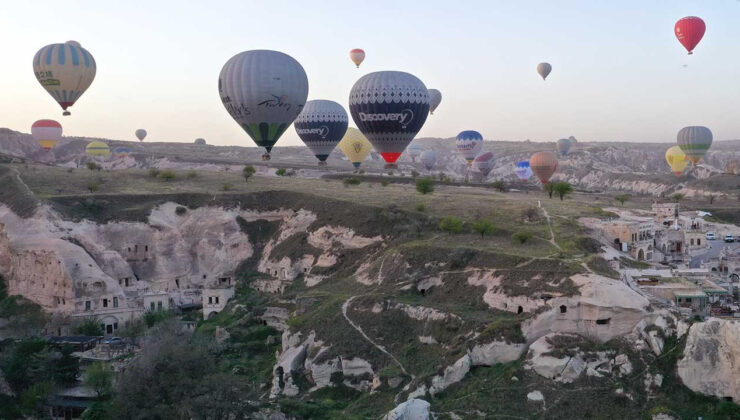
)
(158, 65)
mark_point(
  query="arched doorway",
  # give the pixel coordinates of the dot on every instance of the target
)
(640, 255)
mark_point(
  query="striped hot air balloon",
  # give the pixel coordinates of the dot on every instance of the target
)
(321, 125)
(483, 163)
(357, 56)
(97, 149)
(65, 71)
(47, 133)
(522, 170)
(544, 165)
(121, 152)
(355, 146)
(389, 107)
(263, 91)
(694, 141)
(469, 143)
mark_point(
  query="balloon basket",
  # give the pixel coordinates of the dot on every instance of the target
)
(322, 164)
(266, 157)
(65, 113)
(391, 166)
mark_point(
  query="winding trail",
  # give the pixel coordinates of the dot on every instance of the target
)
(549, 226)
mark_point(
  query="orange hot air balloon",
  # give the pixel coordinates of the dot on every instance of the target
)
(543, 164)
(357, 56)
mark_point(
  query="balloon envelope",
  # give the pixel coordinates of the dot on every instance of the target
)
(676, 159)
(563, 146)
(121, 152)
(469, 143)
(428, 159)
(355, 146)
(357, 56)
(389, 107)
(689, 31)
(264, 91)
(414, 150)
(522, 170)
(65, 71)
(544, 165)
(321, 125)
(47, 133)
(140, 134)
(694, 141)
(544, 69)
(435, 98)
(483, 163)
(200, 141)
(97, 148)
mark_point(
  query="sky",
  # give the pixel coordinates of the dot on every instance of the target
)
(618, 70)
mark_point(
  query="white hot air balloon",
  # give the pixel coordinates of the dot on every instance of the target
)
(435, 98)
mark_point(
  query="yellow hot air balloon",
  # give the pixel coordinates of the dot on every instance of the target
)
(97, 149)
(676, 159)
(65, 71)
(355, 146)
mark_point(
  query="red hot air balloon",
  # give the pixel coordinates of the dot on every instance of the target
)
(689, 31)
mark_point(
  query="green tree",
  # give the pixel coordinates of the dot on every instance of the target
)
(92, 166)
(99, 377)
(677, 197)
(521, 236)
(451, 224)
(562, 189)
(483, 227)
(87, 326)
(622, 198)
(225, 186)
(425, 185)
(414, 174)
(351, 181)
(93, 187)
(500, 185)
(281, 172)
(248, 171)
(167, 175)
(153, 172)
(550, 188)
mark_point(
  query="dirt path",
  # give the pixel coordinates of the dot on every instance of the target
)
(549, 225)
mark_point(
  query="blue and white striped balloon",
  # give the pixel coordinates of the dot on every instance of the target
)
(469, 143)
(65, 71)
(321, 125)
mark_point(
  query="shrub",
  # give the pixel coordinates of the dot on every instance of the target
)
(351, 181)
(531, 214)
(167, 175)
(93, 166)
(425, 185)
(483, 227)
(414, 174)
(677, 197)
(93, 187)
(281, 172)
(151, 318)
(153, 172)
(180, 210)
(88, 326)
(451, 224)
(191, 174)
(225, 186)
(521, 236)
(248, 171)
(500, 185)
(421, 208)
(384, 183)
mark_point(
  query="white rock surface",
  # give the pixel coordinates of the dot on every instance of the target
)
(535, 396)
(495, 352)
(711, 360)
(414, 409)
(452, 374)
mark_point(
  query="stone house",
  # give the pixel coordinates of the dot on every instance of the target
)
(665, 214)
(215, 300)
(635, 237)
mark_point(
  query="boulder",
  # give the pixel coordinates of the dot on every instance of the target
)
(414, 409)
(495, 352)
(711, 359)
(452, 374)
(535, 396)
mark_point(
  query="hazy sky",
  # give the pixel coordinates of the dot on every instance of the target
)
(617, 68)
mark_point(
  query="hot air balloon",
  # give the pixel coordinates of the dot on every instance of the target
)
(97, 149)
(469, 143)
(121, 152)
(544, 69)
(47, 133)
(414, 151)
(321, 125)
(357, 56)
(573, 140)
(264, 91)
(543, 165)
(200, 142)
(389, 107)
(435, 98)
(676, 159)
(140, 134)
(694, 142)
(689, 31)
(428, 159)
(563, 146)
(65, 71)
(483, 163)
(522, 170)
(355, 146)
